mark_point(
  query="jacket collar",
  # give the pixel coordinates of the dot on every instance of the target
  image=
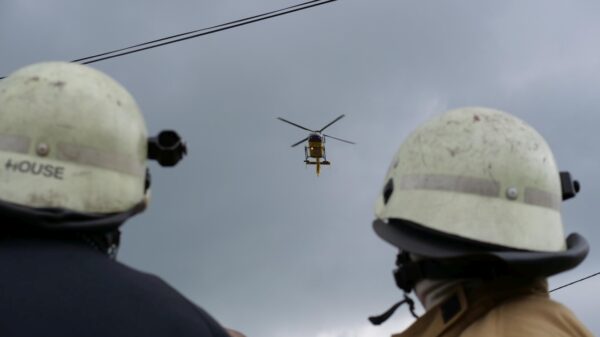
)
(466, 304)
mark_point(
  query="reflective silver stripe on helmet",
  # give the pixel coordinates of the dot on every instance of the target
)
(479, 186)
(14, 143)
(439, 182)
(534, 196)
(94, 157)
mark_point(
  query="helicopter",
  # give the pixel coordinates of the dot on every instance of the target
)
(316, 144)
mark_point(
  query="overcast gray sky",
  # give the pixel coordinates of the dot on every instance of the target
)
(241, 227)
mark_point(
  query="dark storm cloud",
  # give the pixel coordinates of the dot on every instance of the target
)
(241, 226)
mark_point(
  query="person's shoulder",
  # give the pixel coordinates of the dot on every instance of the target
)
(157, 298)
(530, 315)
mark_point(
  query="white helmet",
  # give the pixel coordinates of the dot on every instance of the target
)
(71, 138)
(478, 180)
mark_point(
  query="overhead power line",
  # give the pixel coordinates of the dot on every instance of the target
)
(576, 281)
(198, 32)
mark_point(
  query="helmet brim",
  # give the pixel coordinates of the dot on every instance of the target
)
(419, 240)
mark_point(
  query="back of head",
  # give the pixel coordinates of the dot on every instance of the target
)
(472, 201)
(70, 138)
(73, 152)
(480, 174)
(477, 185)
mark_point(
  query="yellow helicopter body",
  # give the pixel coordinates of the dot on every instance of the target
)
(315, 150)
(316, 145)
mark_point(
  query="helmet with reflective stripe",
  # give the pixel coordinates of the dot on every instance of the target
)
(474, 180)
(70, 138)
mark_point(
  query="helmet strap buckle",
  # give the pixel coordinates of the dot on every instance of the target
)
(408, 272)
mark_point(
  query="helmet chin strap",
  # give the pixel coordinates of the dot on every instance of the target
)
(377, 320)
(404, 283)
(409, 272)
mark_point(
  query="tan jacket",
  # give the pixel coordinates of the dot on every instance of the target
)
(505, 309)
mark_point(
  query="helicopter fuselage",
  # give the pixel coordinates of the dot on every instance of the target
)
(316, 146)
(316, 150)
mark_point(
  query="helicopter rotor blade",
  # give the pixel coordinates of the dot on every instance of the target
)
(294, 124)
(328, 125)
(300, 142)
(341, 140)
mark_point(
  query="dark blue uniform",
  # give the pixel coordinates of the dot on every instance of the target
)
(50, 287)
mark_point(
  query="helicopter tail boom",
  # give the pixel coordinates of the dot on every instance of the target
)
(318, 164)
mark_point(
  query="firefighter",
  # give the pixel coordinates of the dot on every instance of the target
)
(472, 201)
(73, 153)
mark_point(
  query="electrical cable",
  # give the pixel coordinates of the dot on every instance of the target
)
(576, 281)
(209, 32)
(194, 31)
(198, 32)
